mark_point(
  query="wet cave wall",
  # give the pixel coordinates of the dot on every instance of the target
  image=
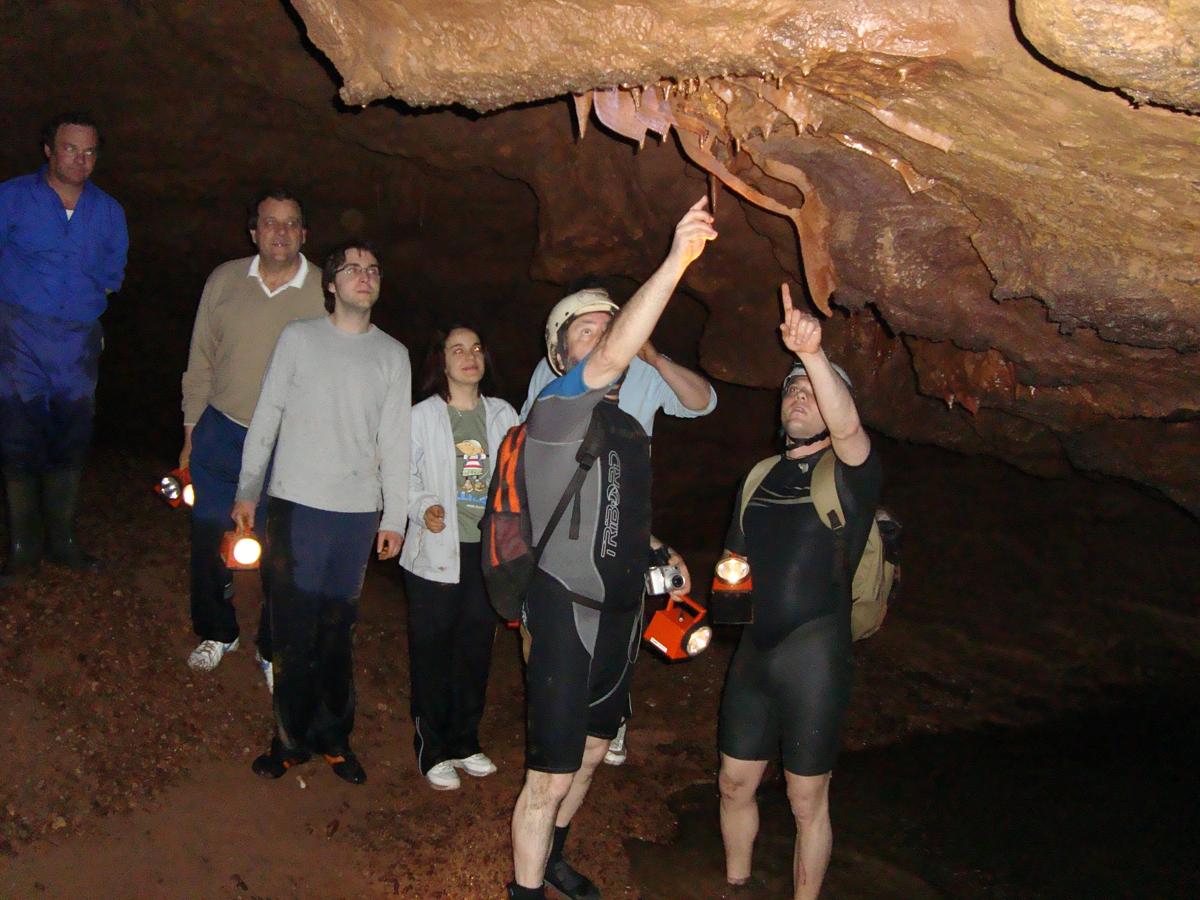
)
(998, 216)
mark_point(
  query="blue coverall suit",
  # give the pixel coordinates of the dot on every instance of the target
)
(55, 274)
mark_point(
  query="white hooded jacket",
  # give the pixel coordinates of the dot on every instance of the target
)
(433, 481)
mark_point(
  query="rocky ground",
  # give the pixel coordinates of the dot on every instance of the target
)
(1024, 602)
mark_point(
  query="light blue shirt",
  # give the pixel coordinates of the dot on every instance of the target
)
(643, 393)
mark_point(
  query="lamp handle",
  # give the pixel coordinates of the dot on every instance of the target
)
(685, 600)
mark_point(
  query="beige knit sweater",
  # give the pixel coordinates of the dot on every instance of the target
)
(236, 328)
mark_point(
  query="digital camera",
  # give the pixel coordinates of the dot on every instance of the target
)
(663, 580)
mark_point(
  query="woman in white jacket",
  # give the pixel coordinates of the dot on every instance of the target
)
(451, 624)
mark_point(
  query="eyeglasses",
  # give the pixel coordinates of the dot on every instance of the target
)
(355, 271)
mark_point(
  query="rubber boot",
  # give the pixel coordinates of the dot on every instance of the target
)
(23, 496)
(60, 500)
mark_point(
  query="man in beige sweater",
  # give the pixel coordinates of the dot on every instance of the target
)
(245, 305)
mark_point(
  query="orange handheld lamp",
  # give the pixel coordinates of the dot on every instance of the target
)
(732, 598)
(679, 630)
(240, 550)
(176, 488)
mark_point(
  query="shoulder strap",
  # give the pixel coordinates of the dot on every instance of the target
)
(504, 493)
(753, 480)
(829, 509)
(825, 496)
(585, 456)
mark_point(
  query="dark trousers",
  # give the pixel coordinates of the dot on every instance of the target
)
(450, 632)
(48, 370)
(216, 461)
(318, 560)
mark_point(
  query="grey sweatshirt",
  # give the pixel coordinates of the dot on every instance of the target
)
(335, 408)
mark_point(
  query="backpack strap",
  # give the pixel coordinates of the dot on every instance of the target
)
(586, 457)
(829, 509)
(753, 480)
(504, 493)
(825, 496)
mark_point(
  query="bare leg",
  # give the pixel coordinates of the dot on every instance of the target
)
(593, 754)
(738, 781)
(533, 823)
(546, 801)
(809, 798)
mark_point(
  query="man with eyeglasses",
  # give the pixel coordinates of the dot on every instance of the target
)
(63, 244)
(244, 307)
(335, 411)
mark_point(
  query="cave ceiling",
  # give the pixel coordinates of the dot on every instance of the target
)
(1006, 197)
(996, 204)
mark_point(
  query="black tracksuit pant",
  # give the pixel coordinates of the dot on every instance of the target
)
(451, 628)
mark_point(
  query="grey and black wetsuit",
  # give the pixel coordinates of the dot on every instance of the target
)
(789, 681)
(583, 610)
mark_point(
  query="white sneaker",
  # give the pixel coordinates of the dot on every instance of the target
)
(616, 749)
(207, 656)
(477, 764)
(268, 671)
(442, 777)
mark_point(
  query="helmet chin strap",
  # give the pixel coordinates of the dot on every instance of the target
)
(791, 443)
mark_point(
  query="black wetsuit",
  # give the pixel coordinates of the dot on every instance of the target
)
(789, 681)
(583, 609)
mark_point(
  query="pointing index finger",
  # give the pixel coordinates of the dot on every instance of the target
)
(787, 299)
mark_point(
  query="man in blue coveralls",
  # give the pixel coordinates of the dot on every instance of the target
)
(63, 243)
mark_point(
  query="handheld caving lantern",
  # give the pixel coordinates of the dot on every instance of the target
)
(731, 601)
(176, 488)
(240, 550)
(679, 630)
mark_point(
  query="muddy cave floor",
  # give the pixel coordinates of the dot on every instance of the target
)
(1024, 725)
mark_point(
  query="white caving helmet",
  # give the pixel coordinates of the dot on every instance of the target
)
(569, 308)
(798, 370)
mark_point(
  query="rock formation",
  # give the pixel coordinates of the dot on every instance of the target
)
(1010, 240)
(998, 205)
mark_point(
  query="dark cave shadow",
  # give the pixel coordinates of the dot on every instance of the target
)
(1096, 803)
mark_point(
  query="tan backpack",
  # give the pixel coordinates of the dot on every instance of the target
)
(877, 573)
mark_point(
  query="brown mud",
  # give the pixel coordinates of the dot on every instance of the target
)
(1026, 603)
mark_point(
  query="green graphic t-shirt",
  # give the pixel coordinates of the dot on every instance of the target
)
(473, 468)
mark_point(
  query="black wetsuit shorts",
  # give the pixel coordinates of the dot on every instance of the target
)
(577, 676)
(793, 695)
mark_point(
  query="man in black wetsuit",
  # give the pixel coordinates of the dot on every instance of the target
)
(789, 682)
(583, 608)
